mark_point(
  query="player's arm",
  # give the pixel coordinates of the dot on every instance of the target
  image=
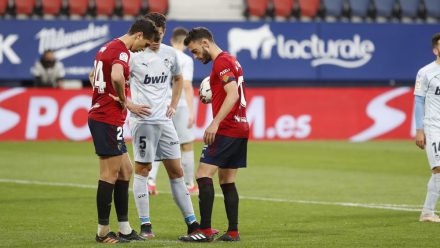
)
(419, 109)
(118, 82)
(175, 96)
(231, 98)
(189, 97)
(92, 78)
(420, 90)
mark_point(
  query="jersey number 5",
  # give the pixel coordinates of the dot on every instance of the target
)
(98, 79)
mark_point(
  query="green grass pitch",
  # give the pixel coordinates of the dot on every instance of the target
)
(293, 194)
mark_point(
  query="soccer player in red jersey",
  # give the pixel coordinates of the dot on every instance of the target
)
(106, 119)
(225, 138)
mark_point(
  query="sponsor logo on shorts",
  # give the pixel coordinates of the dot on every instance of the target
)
(142, 152)
(437, 157)
(120, 147)
(174, 143)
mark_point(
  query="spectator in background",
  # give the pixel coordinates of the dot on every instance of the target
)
(48, 71)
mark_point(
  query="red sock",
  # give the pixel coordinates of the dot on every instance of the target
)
(233, 234)
(207, 231)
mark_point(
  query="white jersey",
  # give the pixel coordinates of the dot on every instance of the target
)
(151, 74)
(428, 86)
(186, 65)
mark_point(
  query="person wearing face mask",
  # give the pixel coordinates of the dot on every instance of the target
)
(48, 71)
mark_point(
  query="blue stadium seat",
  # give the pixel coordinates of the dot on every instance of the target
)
(432, 10)
(359, 9)
(409, 9)
(384, 9)
(333, 9)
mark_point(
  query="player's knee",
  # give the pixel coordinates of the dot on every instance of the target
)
(436, 170)
(186, 147)
(142, 169)
(175, 173)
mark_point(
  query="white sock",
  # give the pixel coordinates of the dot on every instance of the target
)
(432, 195)
(188, 167)
(141, 198)
(154, 170)
(124, 227)
(103, 230)
(183, 199)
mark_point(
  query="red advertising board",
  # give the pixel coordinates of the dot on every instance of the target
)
(355, 114)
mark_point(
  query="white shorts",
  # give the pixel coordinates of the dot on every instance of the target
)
(154, 142)
(433, 146)
(180, 120)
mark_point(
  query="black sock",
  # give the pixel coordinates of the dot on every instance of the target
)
(104, 201)
(121, 199)
(231, 204)
(206, 200)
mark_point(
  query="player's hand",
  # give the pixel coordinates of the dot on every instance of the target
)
(420, 139)
(139, 109)
(170, 112)
(210, 132)
(123, 104)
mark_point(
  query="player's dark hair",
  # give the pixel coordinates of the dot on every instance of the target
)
(158, 19)
(197, 34)
(145, 26)
(179, 34)
(435, 39)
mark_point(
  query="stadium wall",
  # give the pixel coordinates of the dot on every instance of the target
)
(355, 114)
(270, 51)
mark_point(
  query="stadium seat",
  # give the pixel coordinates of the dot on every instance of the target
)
(359, 9)
(78, 7)
(384, 9)
(409, 10)
(160, 6)
(105, 7)
(3, 6)
(432, 10)
(51, 7)
(131, 7)
(256, 8)
(333, 9)
(24, 7)
(309, 8)
(283, 8)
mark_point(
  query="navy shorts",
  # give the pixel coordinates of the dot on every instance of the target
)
(226, 152)
(108, 139)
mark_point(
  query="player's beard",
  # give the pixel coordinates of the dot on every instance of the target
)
(206, 57)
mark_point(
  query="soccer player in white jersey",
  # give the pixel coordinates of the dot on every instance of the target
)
(184, 118)
(154, 136)
(427, 115)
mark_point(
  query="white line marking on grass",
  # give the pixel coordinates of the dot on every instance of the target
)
(395, 207)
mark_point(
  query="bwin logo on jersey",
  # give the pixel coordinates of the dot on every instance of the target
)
(155, 79)
(346, 53)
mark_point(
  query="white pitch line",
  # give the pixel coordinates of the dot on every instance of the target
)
(396, 207)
